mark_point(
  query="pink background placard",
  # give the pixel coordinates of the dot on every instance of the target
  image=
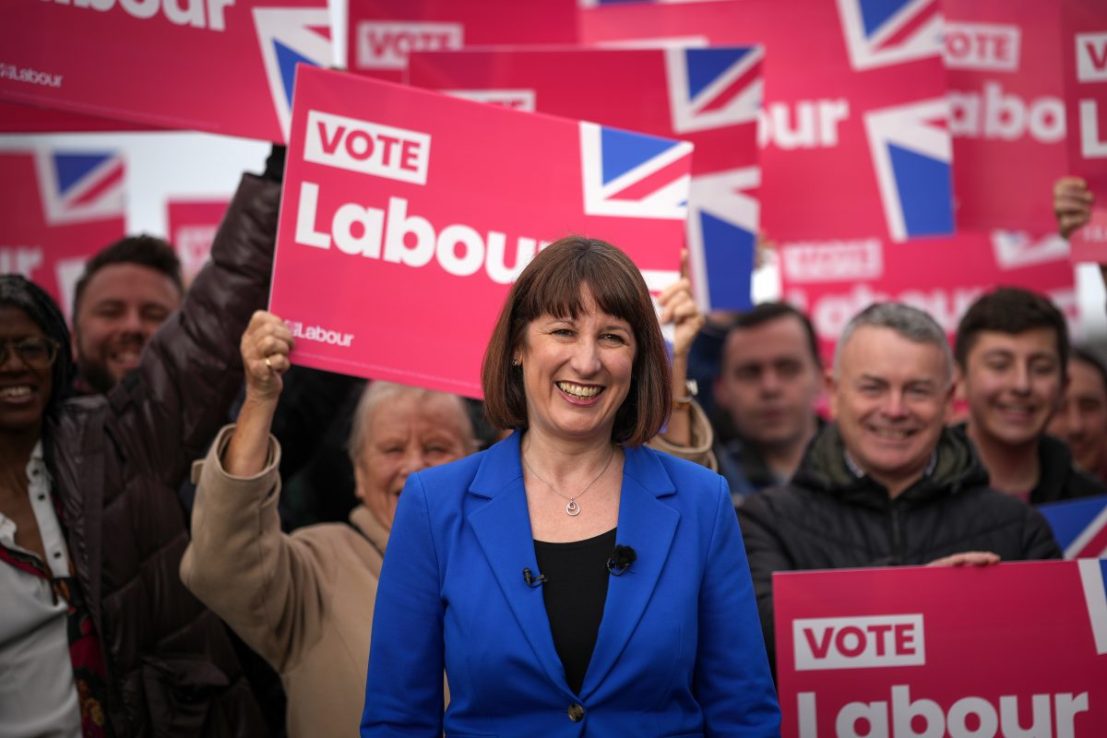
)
(710, 97)
(832, 281)
(387, 301)
(941, 648)
(381, 33)
(836, 100)
(1004, 66)
(192, 226)
(219, 67)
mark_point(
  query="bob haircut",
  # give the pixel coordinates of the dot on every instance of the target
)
(551, 285)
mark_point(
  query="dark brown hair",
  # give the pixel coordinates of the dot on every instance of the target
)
(551, 285)
(1011, 310)
(144, 250)
(764, 312)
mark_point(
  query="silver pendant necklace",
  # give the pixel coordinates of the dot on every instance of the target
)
(572, 507)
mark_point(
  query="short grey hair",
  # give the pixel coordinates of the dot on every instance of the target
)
(377, 392)
(909, 322)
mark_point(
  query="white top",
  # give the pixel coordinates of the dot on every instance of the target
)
(37, 694)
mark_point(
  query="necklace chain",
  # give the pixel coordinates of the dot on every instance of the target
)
(572, 508)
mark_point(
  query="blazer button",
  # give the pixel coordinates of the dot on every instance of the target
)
(576, 713)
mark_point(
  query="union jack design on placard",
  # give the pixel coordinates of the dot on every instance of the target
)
(911, 151)
(80, 186)
(1080, 526)
(722, 237)
(633, 175)
(291, 36)
(883, 32)
(715, 87)
(1093, 573)
(1018, 249)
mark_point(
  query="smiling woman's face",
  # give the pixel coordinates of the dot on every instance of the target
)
(406, 432)
(577, 372)
(24, 389)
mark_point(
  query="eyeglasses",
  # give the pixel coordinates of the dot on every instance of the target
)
(36, 353)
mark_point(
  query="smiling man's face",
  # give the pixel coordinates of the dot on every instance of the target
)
(1013, 383)
(890, 399)
(121, 307)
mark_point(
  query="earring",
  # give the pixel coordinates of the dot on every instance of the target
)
(516, 362)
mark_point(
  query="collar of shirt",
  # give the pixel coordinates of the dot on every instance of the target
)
(856, 470)
(42, 504)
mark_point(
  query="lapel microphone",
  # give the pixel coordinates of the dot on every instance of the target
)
(531, 580)
(621, 559)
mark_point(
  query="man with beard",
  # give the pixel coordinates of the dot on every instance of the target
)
(126, 292)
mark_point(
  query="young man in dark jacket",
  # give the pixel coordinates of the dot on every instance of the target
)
(1012, 351)
(886, 483)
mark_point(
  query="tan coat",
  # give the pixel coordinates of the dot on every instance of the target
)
(303, 601)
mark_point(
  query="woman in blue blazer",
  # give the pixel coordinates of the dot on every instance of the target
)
(569, 580)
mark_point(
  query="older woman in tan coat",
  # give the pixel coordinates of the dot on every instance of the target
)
(305, 601)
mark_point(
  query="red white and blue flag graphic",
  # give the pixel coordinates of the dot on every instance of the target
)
(715, 87)
(912, 151)
(723, 225)
(845, 125)
(884, 32)
(291, 36)
(1080, 526)
(633, 175)
(80, 186)
(57, 208)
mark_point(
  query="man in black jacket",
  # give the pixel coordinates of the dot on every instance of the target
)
(887, 484)
(1012, 350)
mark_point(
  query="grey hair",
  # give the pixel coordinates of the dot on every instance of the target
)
(377, 392)
(909, 322)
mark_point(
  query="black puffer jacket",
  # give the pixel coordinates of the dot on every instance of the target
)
(117, 461)
(827, 518)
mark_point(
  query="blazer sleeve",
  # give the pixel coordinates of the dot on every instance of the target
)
(404, 690)
(262, 582)
(733, 683)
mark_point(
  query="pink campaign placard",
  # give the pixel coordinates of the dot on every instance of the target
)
(407, 214)
(834, 280)
(710, 97)
(221, 66)
(192, 226)
(1007, 111)
(27, 119)
(57, 208)
(854, 129)
(1015, 649)
(382, 33)
(1084, 50)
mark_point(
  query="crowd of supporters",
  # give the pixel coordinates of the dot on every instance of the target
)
(193, 532)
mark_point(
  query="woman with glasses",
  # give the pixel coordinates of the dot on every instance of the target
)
(98, 636)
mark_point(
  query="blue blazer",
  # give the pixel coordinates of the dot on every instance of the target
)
(679, 650)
